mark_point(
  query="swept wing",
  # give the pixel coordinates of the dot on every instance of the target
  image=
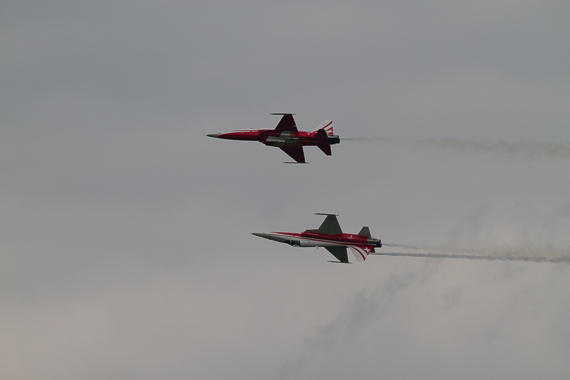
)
(339, 253)
(295, 153)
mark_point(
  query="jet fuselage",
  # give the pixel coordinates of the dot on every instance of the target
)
(315, 239)
(330, 236)
(285, 138)
(360, 245)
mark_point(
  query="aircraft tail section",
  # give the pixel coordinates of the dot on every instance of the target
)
(361, 252)
(326, 126)
(365, 232)
(326, 148)
(324, 145)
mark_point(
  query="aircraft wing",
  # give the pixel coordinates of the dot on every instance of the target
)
(295, 153)
(330, 225)
(287, 123)
(339, 253)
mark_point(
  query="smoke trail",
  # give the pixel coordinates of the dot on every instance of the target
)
(478, 257)
(533, 254)
(400, 246)
(528, 149)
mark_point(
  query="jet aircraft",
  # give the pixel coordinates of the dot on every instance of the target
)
(330, 236)
(287, 137)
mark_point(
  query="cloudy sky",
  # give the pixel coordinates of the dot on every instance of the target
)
(126, 248)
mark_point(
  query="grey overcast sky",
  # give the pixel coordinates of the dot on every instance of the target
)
(125, 241)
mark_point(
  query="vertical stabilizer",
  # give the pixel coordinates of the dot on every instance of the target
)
(326, 126)
(361, 252)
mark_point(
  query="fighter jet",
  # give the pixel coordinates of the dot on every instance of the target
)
(287, 137)
(330, 236)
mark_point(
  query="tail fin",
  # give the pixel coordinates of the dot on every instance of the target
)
(361, 252)
(365, 231)
(327, 126)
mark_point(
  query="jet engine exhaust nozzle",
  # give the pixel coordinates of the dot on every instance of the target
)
(333, 139)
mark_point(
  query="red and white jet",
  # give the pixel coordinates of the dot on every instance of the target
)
(330, 236)
(287, 137)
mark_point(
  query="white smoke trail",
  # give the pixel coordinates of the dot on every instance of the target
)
(528, 149)
(533, 254)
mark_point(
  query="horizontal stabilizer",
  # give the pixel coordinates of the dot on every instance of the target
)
(326, 148)
(364, 232)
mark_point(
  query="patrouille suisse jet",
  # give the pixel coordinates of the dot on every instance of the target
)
(287, 137)
(330, 236)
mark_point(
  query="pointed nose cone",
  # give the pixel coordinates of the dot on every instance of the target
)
(265, 235)
(270, 236)
(217, 135)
